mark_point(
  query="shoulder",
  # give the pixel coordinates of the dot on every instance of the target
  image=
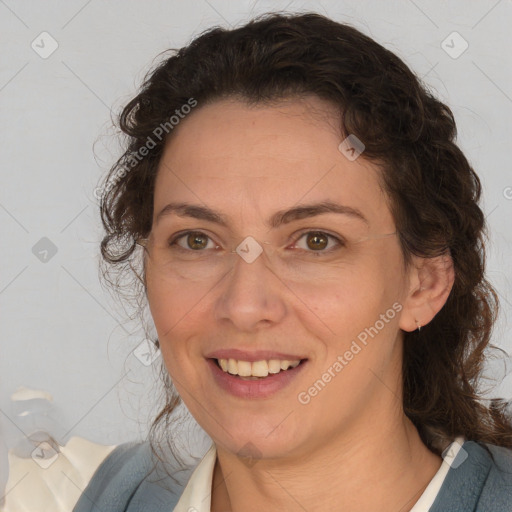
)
(131, 480)
(479, 479)
(497, 489)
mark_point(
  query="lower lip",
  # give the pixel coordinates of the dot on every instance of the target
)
(261, 388)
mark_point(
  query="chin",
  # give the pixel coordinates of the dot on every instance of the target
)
(253, 443)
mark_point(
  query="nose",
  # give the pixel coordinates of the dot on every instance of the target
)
(251, 295)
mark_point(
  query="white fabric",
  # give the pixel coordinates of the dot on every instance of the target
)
(429, 494)
(55, 482)
(197, 493)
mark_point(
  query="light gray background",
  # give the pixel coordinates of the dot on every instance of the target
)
(60, 331)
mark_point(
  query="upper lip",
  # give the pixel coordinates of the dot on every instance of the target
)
(257, 355)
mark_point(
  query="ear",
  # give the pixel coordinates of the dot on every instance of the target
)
(430, 284)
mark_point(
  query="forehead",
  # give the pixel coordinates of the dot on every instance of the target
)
(227, 154)
(291, 130)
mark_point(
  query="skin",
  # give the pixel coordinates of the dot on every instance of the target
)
(249, 162)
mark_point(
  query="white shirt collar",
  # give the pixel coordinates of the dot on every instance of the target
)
(432, 490)
(197, 494)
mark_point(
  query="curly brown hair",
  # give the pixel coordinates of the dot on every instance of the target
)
(432, 189)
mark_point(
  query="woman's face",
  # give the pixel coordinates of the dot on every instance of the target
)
(337, 306)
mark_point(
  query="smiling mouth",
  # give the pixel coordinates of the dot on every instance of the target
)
(258, 370)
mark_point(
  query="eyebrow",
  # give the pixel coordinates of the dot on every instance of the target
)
(277, 219)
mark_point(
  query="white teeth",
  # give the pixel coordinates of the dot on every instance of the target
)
(256, 368)
(274, 366)
(244, 368)
(232, 367)
(259, 368)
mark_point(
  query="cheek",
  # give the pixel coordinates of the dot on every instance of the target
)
(165, 311)
(170, 301)
(363, 309)
(161, 306)
(176, 310)
(345, 299)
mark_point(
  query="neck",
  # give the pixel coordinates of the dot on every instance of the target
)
(386, 471)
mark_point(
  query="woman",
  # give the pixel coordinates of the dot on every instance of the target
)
(312, 252)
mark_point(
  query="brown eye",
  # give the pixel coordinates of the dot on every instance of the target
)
(193, 241)
(197, 241)
(317, 242)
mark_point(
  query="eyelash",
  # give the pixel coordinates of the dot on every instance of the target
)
(338, 240)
